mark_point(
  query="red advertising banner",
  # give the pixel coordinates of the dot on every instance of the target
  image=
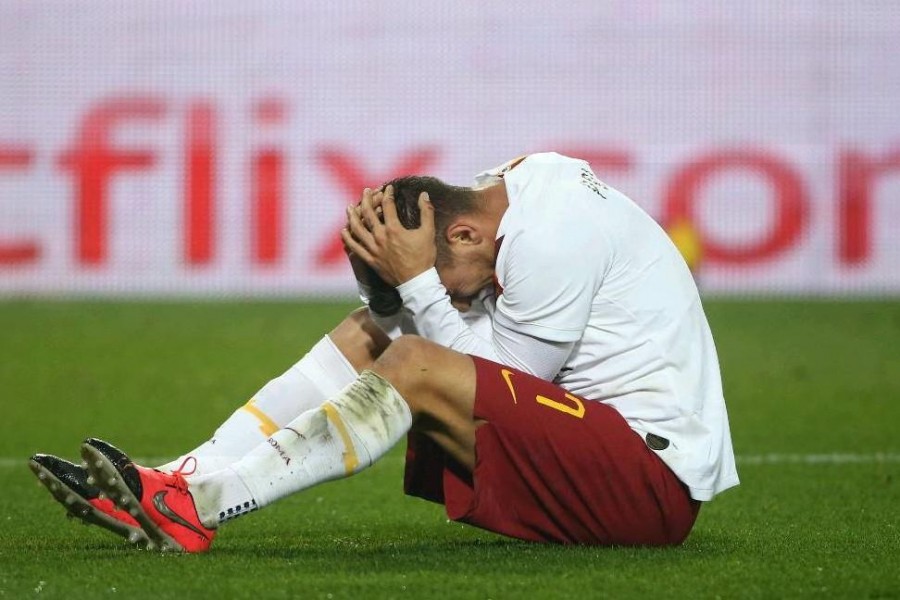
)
(170, 148)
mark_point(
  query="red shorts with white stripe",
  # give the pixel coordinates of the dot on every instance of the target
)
(552, 467)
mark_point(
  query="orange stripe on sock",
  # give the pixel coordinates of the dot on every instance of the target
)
(351, 461)
(267, 425)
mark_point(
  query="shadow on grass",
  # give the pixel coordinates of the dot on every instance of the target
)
(481, 555)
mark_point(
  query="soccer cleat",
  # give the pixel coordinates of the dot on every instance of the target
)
(160, 502)
(70, 486)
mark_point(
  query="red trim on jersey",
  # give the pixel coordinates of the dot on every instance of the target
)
(512, 165)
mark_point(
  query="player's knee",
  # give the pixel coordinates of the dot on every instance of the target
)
(359, 339)
(414, 367)
(404, 358)
(405, 364)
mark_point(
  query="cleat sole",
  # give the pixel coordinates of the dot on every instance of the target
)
(79, 508)
(106, 474)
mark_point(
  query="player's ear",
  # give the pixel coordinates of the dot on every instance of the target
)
(463, 233)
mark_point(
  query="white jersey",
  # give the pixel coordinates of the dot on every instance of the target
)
(584, 271)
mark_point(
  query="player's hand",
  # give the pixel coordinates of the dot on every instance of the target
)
(383, 299)
(363, 272)
(397, 254)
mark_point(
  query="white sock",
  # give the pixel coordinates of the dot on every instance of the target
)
(343, 436)
(320, 374)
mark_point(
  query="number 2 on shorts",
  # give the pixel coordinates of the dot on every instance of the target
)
(576, 411)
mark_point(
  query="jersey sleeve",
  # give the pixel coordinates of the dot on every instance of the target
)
(550, 275)
(426, 301)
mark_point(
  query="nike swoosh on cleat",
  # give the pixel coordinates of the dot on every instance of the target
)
(159, 501)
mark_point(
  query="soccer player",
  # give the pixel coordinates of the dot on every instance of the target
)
(581, 404)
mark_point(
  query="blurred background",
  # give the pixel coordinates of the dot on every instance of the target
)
(159, 154)
(207, 149)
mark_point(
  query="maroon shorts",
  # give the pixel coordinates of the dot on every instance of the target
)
(551, 467)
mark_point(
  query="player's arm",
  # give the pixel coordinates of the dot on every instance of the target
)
(549, 274)
(524, 333)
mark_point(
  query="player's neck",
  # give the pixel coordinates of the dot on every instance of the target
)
(494, 202)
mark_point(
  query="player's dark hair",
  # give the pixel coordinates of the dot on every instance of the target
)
(449, 202)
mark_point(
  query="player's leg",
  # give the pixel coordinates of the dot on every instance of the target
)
(439, 386)
(551, 467)
(341, 437)
(414, 383)
(328, 367)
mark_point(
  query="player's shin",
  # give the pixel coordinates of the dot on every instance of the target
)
(341, 437)
(320, 374)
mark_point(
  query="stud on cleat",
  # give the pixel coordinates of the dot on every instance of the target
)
(102, 496)
(42, 476)
(112, 481)
(91, 480)
(134, 537)
(70, 499)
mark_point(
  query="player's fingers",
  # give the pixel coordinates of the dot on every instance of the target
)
(352, 246)
(426, 212)
(367, 210)
(347, 249)
(367, 193)
(377, 197)
(389, 207)
(377, 200)
(358, 229)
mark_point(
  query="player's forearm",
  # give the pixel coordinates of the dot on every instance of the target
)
(426, 299)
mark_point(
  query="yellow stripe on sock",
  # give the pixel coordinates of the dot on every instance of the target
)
(267, 425)
(351, 461)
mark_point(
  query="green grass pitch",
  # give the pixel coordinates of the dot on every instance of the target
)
(813, 391)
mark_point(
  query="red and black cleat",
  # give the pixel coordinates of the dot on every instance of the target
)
(160, 502)
(72, 486)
